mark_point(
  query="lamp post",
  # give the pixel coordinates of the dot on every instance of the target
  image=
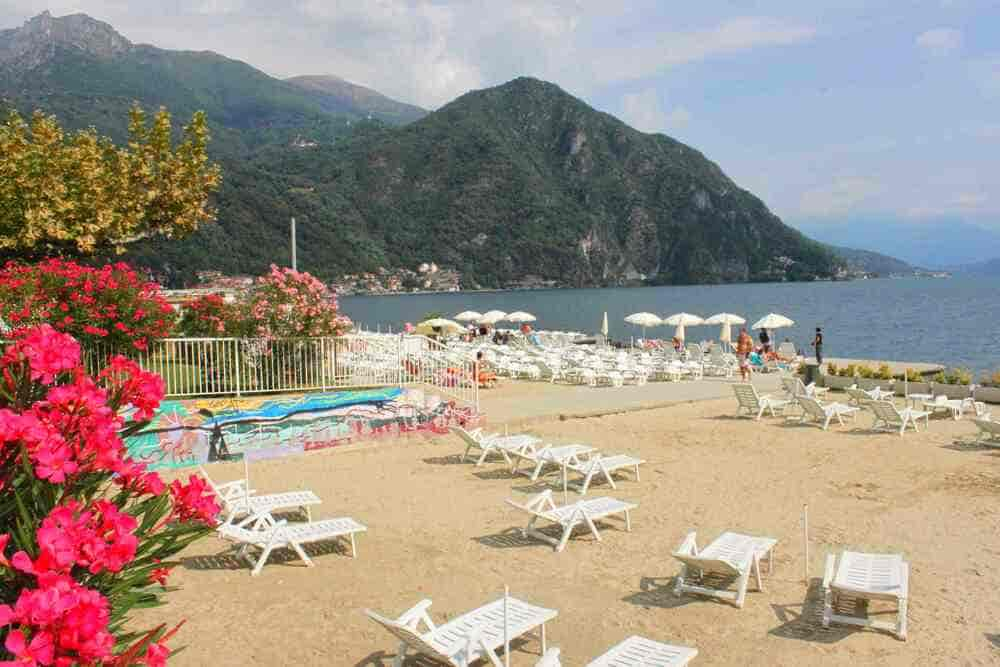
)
(294, 261)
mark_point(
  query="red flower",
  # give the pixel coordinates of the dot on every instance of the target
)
(194, 501)
(39, 652)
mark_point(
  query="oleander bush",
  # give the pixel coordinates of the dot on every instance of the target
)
(86, 533)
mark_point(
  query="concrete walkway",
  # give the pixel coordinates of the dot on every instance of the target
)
(518, 402)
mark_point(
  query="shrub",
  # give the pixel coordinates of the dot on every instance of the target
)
(960, 376)
(831, 368)
(850, 370)
(865, 372)
(884, 372)
(211, 316)
(940, 378)
(86, 533)
(991, 380)
(281, 304)
(111, 306)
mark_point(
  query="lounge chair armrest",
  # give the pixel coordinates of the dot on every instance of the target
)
(828, 571)
(417, 613)
(550, 659)
(689, 547)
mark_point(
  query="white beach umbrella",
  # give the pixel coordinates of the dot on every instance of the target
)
(604, 325)
(439, 325)
(681, 320)
(468, 316)
(520, 316)
(773, 321)
(492, 317)
(644, 320)
(726, 320)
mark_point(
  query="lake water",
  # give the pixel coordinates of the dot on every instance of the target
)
(954, 321)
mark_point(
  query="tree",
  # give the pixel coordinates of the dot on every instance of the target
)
(81, 194)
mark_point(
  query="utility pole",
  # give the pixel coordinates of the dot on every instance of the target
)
(294, 262)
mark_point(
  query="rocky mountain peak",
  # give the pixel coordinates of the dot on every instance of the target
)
(41, 37)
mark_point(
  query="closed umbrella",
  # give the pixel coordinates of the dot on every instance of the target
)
(681, 320)
(468, 316)
(644, 320)
(726, 320)
(520, 316)
(604, 326)
(492, 317)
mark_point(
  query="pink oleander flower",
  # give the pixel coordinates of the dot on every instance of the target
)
(48, 352)
(194, 501)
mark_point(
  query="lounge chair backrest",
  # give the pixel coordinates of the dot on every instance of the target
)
(859, 395)
(812, 406)
(470, 438)
(988, 426)
(787, 350)
(687, 554)
(886, 411)
(791, 386)
(409, 637)
(747, 396)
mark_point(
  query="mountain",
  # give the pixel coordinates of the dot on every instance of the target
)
(935, 244)
(83, 71)
(349, 94)
(988, 269)
(866, 261)
(507, 185)
(524, 180)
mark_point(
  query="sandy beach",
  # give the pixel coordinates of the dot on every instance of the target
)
(440, 529)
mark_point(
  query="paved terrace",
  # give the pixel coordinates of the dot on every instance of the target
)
(519, 401)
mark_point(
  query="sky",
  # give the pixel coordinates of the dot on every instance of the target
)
(829, 111)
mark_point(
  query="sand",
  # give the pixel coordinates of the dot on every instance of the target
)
(439, 529)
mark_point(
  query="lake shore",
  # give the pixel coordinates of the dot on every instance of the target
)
(439, 529)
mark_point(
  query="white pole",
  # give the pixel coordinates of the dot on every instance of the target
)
(294, 260)
(805, 539)
(506, 636)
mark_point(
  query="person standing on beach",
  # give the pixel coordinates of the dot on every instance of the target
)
(818, 344)
(744, 346)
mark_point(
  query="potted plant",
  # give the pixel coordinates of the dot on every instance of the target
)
(836, 377)
(989, 388)
(868, 378)
(911, 381)
(955, 384)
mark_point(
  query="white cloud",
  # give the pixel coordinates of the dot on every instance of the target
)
(940, 41)
(672, 48)
(841, 196)
(644, 110)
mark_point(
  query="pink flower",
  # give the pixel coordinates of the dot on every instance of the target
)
(48, 352)
(194, 501)
(39, 652)
(157, 654)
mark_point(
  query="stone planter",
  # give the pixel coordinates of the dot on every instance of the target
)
(870, 383)
(988, 394)
(951, 390)
(912, 388)
(837, 382)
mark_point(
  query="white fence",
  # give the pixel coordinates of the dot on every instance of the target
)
(238, 366)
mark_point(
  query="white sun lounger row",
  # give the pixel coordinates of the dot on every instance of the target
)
(481, 635)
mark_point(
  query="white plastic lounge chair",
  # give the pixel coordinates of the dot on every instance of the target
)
(755, 404)
(598, 464)
(730, 557)
(868, 577)
(823, 413)
(582, 512)
(795, 387)
(491, 443)
(861, 397)
(263, 532)
(641, 652)
(989, 432)
(238, 499)
(472, 636)
(890, 418)
(635, 651)
(540, 456)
